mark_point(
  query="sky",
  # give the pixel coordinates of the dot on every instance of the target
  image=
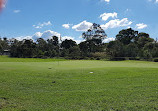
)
(32, 19)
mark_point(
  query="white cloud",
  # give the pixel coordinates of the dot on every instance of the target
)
(16, 11)
(37, 35)
(141, 26)
(106, 16)
(107, 1)
(41, 25)
(107, 40)
(45, 35)
(66, 26)
(67, 37)
(71, 38)
(48, 35)
(83, 26)
(117, 23)
(23, 37)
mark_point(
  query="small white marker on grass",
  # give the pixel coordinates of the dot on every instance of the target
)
(91, 72)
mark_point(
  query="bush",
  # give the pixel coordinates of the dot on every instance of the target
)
(134, 58)
(44, 57)
(98, 58)
(118, 59)
(92, 58)
(155, 60)
(98, 55)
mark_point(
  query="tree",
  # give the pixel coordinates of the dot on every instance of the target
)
(143, 38)
(67, 44)
(115, 49)
(127, 36)
(64, 52)
(28, 49)
(84, 48)
(131, 50)
(94, 37)
(155, 50)
(41, 44)
(53, 46)
(95, 32)
(55, 41)
(74, 52)
(91, 46)
(15, 49)
(1, 47)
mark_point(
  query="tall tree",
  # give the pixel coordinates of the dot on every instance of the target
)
(95, 32)
(41, 44)
(127, 36)
(15, 49)
(28, 48)
(53, 47)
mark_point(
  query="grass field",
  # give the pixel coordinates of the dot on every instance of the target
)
(60, 85)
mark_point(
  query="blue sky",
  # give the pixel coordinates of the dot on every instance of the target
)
(69, 18)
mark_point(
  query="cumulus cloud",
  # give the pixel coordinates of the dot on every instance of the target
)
(83, 26)
(116, 23)
(23, 37)
(66, 26)
(41, 25)
(16, 11)
(45, 35)
(37, 35)
(106, 16)
(107, 40)
(141, 26)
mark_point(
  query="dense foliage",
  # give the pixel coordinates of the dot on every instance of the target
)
(129, 44)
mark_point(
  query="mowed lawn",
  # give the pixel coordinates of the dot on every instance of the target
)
(73, 85)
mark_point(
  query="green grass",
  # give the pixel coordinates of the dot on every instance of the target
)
(69, 85)
(8, 59)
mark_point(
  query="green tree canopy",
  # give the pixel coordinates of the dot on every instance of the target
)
(95, 32)
(67, 44)
(127, 36)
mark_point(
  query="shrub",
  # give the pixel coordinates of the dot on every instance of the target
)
(134, 58)
(155, 60)
(118, 59)
(98, 55)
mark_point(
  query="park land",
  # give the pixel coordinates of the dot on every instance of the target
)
(70, 85)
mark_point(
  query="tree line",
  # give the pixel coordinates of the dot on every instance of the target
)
(129, 44)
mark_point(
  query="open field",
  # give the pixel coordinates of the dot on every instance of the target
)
(7, 59)
(69, 86)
